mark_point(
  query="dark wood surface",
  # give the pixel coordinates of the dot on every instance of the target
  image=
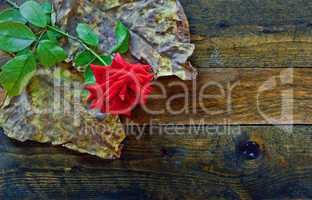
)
(202, 161)
(252, 33)
(189, 163)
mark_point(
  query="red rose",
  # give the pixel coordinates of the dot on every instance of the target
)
(120, 87)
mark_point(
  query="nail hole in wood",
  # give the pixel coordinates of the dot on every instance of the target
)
(249, 150)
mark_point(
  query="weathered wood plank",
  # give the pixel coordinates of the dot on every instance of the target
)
(166, 163)
(195, 162)
(232, 96)
(253, 51)
(211, 17)
(239, 33)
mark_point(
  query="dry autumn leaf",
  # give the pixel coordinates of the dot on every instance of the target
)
(159, 30)
(50, 111)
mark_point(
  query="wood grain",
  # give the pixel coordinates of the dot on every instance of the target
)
(200, 162)
(232, 96)
(239, 33)
(166, 163)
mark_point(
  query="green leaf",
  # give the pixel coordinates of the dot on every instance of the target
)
(47, 7)
(49, 19)
(49, 54)
(16, 74)
(87, 34)
(44, 36)
(89, 76)
(122, 36)
(108, 59)
(23, 52)
(85, 94)
(11, 15)
(84, 58)
(53, 36)
(33, 12)
(15, 36)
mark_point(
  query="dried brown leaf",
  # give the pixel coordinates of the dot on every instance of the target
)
(159, 30)
(50, 111)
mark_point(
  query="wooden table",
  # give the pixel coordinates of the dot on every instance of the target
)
(258, 54)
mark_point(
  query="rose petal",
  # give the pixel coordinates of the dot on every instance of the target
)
(120, 87)
(123, 93)
(100, 72)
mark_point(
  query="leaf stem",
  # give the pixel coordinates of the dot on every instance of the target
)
(12, 4)
(38, 40)
(78, 40)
